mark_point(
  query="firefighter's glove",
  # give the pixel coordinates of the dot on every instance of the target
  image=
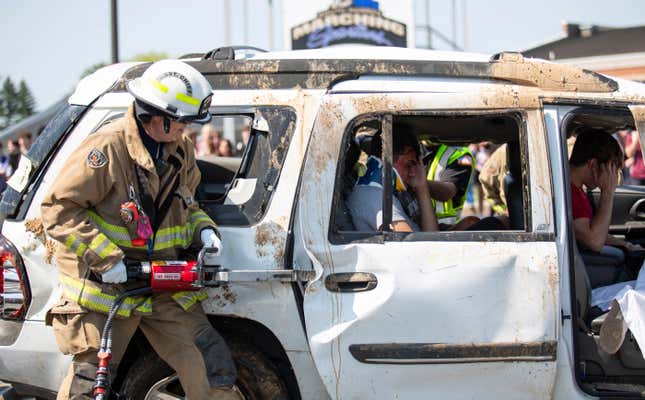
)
(210, 239)
(116, 274)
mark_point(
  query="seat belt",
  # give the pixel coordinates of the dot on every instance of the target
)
(157, 212)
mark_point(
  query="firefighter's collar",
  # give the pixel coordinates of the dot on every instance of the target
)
(136, 148)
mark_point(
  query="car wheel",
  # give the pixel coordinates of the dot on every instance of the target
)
(150, 378)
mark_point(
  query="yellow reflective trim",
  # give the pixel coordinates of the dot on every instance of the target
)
(73, 243)
(117, 234)
(107, 250)
(174, 236)
(184, 98)
(187, 299)
(159, 85)
(98, 244)
(81, 249)
(172, 243)
(70, 241)
(94, 299)
(200, 216)
(121, 231)
(173, 230)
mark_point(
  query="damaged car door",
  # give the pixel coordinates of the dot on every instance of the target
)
(469, 314)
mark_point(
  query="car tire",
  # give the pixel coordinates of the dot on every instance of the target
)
(257, 378)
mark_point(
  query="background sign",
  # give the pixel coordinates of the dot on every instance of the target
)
(358, 21)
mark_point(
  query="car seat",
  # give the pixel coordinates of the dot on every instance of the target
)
(590, 320)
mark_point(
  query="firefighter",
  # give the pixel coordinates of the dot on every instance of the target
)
(127, 192)
(492, 180)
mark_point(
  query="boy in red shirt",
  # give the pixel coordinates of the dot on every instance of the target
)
(595, 162)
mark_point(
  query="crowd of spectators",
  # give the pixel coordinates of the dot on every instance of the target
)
(10, 159)
(633, 169)
(209, 141)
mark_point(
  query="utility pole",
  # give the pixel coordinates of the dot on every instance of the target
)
(115, 31)
(429, 32)
(464, 24)
(245, 40)
(270, 25)
(454, 24)
(227, 23)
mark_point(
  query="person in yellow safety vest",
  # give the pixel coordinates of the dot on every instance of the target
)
(448, 176)
(449, 169)
(127, 192)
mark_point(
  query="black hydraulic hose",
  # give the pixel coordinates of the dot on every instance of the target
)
(101, 382)
(107, 329)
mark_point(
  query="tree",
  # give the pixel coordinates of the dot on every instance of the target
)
(15, 104)
(92, 68)
(26, 103)
(151, 56)
(9, 97)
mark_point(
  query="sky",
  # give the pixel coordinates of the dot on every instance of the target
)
(49, 43)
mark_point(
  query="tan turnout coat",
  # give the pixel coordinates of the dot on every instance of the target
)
(81, 211)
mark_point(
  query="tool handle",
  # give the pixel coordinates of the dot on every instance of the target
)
(137, 269)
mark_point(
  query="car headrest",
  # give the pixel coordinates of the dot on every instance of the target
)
(368, 138)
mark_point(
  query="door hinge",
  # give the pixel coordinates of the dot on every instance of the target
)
(564, 316)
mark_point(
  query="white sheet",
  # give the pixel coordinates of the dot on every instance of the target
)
(631, 299)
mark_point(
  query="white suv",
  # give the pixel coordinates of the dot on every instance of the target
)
(315, 308)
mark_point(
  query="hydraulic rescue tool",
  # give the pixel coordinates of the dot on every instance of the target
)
(163, 276)
(174, 276)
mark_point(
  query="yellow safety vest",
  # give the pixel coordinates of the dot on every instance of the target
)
(446, 155)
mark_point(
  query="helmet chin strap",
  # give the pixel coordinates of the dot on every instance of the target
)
(166, 125)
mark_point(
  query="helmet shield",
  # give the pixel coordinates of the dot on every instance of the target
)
(203, 116)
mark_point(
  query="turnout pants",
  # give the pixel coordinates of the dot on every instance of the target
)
(184, 339)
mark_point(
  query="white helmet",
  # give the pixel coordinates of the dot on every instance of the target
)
(175, 90)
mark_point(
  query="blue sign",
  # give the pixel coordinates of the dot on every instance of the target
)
(365, 4)
(358, 22)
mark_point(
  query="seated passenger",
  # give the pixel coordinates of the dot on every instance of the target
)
(409, 212)
(595, 161)
(412, 208)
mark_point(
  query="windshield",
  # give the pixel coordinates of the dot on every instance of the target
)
(43, 148)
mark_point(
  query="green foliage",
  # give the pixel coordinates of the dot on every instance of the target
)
(26, 101)
(92, 68)
(151, 56)
(15, 104)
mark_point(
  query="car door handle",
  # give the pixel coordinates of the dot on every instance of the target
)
(350, 282)
(637, 211)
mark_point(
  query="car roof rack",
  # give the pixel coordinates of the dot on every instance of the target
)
(268, 73)
(229, 52)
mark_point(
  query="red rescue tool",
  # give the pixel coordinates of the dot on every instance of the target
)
(162, 276)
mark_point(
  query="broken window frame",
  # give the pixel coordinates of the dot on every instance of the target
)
(528, 234)
(281, 123)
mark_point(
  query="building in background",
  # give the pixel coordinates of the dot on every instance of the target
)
(618, 52)
(309, 25)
